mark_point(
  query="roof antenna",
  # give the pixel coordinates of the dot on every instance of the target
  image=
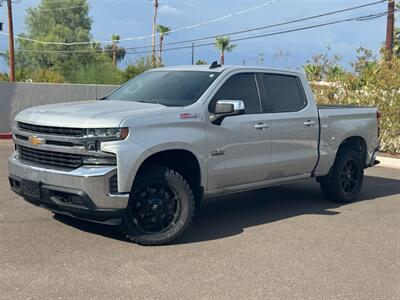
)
(214, 65)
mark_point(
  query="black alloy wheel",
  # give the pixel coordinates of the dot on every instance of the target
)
(344, 182)
(160, 208)
(156, 207)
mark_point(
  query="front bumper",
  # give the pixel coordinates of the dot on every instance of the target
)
(82, 193)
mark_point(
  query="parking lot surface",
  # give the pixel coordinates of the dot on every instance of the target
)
(284, 242)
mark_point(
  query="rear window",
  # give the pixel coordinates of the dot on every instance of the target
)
(281, 93)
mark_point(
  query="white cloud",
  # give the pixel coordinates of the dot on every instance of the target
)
(167, 9)
(190, 4)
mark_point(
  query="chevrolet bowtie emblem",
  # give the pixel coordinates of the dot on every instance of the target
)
(35, 140)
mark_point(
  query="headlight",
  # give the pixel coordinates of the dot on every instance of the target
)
(107, 133)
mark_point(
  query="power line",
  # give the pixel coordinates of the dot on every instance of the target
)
(268, 26)
(54, 9)
(254, 29)
(149, 36)
(358, 18)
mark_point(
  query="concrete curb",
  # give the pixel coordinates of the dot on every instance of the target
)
(389, 162)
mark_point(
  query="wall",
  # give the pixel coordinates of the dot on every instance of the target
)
(15, 97)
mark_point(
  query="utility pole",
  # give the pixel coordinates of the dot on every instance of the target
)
(1, 23)
(11, 41)
(390, 30)
(153, 52)
(192, 53)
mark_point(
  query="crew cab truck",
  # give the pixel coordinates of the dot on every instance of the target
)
(144, 156)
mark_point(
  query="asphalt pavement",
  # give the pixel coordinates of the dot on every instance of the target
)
(284, 242)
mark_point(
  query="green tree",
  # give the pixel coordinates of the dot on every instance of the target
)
(4, 77)
(201, 62)
(334, 73)
(100, 71)
(44, 75)
(314, 72)
(364, 67)
(114, 51)
(140, 65)
(324, 66)
(373, 82)
(396, 45)
(47, 22)
(223, 44)
(162, 30)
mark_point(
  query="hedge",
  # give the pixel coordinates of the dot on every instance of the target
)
(381, 88)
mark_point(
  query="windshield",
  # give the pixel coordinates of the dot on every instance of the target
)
(169, 88)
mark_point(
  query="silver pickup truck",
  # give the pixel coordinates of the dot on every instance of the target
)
(144, 156)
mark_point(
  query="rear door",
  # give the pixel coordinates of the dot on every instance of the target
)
(294, 125)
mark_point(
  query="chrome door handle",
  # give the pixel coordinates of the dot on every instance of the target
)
(261, 126)
(309, 123)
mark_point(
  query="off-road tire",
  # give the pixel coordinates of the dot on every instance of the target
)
(156, 173)
(332, 188)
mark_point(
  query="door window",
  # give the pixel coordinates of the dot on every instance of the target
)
(281, 93)
(239, 87)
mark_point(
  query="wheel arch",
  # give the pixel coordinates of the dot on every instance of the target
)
(182, 160)
(356, 143)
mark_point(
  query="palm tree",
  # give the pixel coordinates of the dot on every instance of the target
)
(114, 51)
(223, 44)
(153, 56)
(162, 30)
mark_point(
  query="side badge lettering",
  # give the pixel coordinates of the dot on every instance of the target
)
(217, 152)
(183, 116)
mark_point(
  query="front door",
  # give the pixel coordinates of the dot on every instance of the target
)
(238, 148)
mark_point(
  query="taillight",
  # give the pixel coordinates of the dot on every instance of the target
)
(378, 117)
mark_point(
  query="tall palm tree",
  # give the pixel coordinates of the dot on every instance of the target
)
(153, 56)
(116, 52)
(162, 30)
(223, 44)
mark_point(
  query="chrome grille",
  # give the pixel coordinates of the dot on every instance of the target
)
(49, 158)
(76, 132)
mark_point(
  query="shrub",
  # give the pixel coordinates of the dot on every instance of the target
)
(46, 75)
(380, 88)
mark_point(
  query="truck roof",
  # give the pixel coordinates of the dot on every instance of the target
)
(225, 67)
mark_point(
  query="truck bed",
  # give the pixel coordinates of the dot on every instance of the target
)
(338, 122)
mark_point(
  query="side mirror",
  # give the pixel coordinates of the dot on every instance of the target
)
(225, 108)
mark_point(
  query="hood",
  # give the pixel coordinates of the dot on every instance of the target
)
(86, 114)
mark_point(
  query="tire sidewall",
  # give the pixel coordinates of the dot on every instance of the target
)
(343, 160)
(185, 198)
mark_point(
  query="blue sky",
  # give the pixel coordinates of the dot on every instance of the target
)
(131, 18)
